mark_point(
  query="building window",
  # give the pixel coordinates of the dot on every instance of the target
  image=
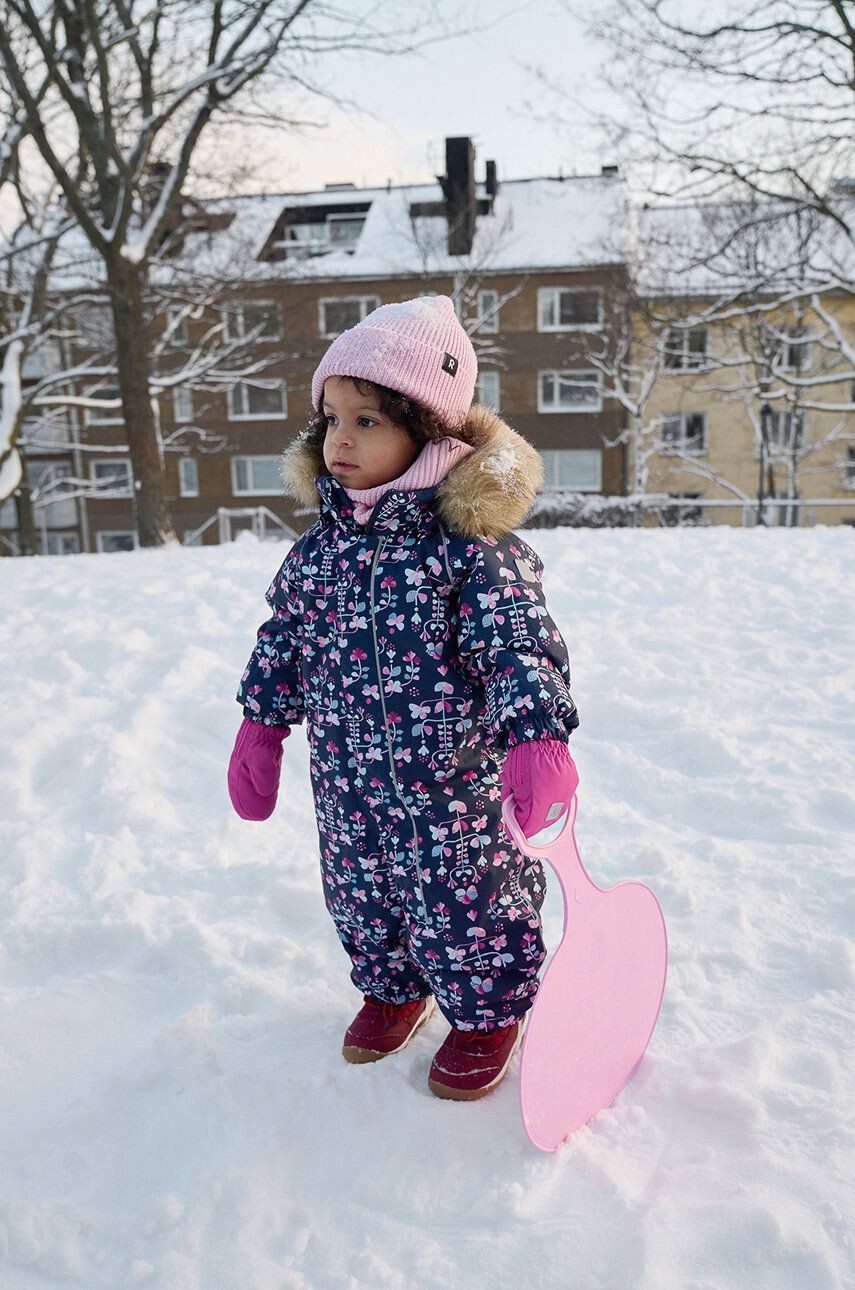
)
(786, 429)
(338, 313)
(59, 544)
(685, 348)
(44, 359)
(50, 484)
(109, 540)
(576, 390)
(487, 389)
(105, 416)
(256, 477)
(47, 431)
(794, 350)
(257, 401)
(343, 230)
(182, 403)
(304, 232)
(569, 308)
(488, 311)
(849, 467)
(177, 315)
(245, 316)
(188, 477)
(685, 432)
(578, 468)
(95, 327)
(112, 477)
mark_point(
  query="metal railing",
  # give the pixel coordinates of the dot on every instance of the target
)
(261, 519)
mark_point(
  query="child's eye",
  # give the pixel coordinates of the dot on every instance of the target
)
(329, 418)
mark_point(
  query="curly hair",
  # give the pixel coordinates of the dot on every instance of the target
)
(421, 424)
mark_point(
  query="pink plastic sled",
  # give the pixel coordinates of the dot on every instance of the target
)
(600, 996)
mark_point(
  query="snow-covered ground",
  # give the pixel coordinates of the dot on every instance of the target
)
(174, 1110)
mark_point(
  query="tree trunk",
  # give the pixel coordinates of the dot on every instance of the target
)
(639, 484)
(27, 540)
(133, 356)
(770, 490)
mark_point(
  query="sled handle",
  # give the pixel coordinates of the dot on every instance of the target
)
(560, 851)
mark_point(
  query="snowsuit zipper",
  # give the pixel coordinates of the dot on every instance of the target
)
(392, 770)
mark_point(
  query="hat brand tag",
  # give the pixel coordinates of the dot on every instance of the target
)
(449, 364)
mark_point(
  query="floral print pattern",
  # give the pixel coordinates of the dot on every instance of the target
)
(415, 657)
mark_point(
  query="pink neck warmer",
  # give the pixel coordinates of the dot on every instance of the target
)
(430, 467)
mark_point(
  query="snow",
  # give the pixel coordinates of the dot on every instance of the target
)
(504, 465)
(539, 223)
(10, 405)
(711, 248)
(175, 1111)
(535, 223)
(11, 473)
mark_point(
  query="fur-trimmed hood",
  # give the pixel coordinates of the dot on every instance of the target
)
(489, 492)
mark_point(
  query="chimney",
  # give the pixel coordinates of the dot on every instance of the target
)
(492, 182)
(458, 186)
(154, 179)
(609, 172)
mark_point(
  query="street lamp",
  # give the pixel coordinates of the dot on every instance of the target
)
(765, 428)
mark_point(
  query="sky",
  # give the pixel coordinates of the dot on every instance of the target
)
(477, 84)
(399, 109)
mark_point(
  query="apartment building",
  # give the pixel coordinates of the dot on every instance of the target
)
(751, 378)
(534, 265)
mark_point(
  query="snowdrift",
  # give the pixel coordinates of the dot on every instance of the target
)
(174, 1110)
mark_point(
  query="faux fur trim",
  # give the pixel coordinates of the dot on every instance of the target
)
(487, 494)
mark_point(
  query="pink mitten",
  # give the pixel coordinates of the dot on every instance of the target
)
(542, 776)
(254, 769)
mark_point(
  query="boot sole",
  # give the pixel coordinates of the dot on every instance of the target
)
(359, 1056)
(451, 1094)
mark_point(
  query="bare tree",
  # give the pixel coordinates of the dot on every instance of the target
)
(108, 93)
(757, 98)
(25, 316)
(58, 363)
(745, 117)
(780, 349)
(751, 105)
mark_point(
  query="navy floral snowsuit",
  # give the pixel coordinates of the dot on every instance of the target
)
(416, 656)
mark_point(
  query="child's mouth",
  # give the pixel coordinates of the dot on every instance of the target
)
(344, 466)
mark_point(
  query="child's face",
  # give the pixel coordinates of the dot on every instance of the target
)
(358, 433)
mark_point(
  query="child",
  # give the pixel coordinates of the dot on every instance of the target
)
(410, 632)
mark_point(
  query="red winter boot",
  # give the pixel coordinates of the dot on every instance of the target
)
(379, 1028)
(472, 1062)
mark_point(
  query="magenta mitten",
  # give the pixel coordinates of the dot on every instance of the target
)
(539, 773)
(254, 769)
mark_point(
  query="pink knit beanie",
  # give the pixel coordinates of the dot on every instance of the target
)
(417, 348)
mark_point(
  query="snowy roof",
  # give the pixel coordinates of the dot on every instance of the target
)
(534, 223)
(716, 248)
(540, 223)
(689, 249)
